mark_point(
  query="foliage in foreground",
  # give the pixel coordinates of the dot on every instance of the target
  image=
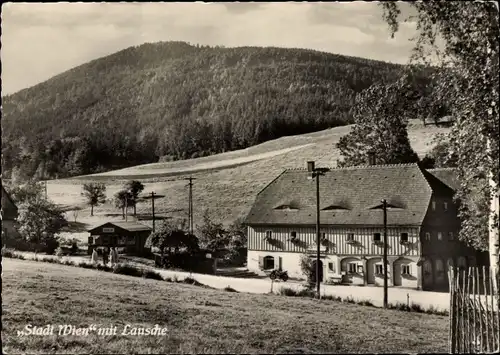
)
(39, 220)
(468, 83)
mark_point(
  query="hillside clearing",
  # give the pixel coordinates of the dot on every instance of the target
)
(227, 193)
(199, 320)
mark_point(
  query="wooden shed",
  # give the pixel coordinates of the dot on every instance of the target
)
(128, 237)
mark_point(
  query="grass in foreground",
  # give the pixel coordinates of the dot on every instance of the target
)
(199, 320)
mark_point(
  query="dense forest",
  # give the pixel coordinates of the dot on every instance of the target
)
(175, 100)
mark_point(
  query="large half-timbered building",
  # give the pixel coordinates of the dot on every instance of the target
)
(422, 225)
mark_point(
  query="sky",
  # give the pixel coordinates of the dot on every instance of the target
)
(40, 40)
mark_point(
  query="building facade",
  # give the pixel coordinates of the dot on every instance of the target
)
(127, 237)
(422, 226)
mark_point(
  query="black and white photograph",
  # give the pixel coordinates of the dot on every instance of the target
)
(250, 177)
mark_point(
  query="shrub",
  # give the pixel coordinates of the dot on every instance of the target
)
(126, 269)
(7, 253)
(349, 300)
(168, 279)
(308, 271)
(332, 298)
(288, 291)
(59, 252)
(68, 262)
(102, 267)
(366, 303)
(150, 274)
(190, 281)
(415, 307)
(399, 306)
(229, 289)
(18, 256)
(50, 260)
(306, 293)
(85, 265)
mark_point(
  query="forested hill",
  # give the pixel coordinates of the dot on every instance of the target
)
(180, 101)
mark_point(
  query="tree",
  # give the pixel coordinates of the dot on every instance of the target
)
(40, 220)
(95, 193)
(380, 127)
(123, 199)
(213, 236)
(307, 268)
(469, 57)
(168, 236)
(134, 188)
(27, 192)
(237, 233)
(440, 156)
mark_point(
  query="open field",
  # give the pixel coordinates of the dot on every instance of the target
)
(439, 301)
(199, 320)
(228, 191)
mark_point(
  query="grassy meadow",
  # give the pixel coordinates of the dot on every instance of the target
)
(199, 320)
(226, 183)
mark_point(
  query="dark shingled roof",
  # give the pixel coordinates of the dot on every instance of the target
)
(349, 196)
(129, 226)
(447, 176)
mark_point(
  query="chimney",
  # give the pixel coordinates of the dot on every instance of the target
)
(310, 166)
(372, 160)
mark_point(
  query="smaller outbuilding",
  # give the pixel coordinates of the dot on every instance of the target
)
(127, 237)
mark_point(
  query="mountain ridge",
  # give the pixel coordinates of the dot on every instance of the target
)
(177, 101)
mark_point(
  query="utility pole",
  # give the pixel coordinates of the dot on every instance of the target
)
(126, 207)
(384, 206)
(153, 208)
(317, 237)
(315, 173)
(190, 204)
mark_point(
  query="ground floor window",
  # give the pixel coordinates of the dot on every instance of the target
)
(352, 268)
(268, 263)
(331, 267)
(91, 240)
(405, 270)
(379, 269)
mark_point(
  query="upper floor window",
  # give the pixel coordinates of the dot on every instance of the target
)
(376, 237)
(445, 205)
(433, 205)
(349, 237)
(293, 234)
(451, 236)
(440, 236)
(427, 236)
(404, 237)
(269, 234)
